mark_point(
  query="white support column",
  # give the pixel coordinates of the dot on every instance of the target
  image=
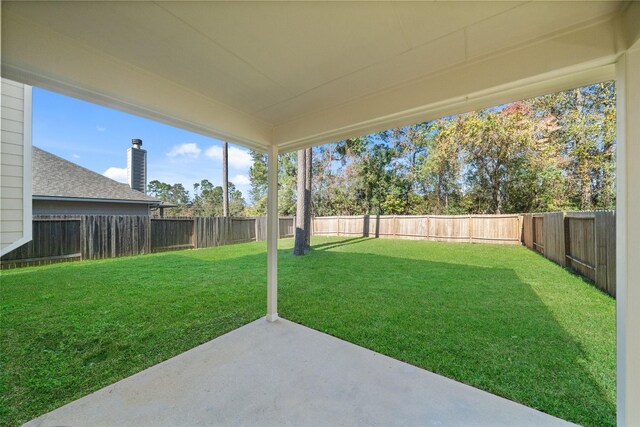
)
(272, 236)
(628, 238)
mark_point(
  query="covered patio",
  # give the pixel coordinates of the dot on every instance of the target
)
(277, 77)
(309, 379)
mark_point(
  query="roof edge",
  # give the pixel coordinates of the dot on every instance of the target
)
(88, 199)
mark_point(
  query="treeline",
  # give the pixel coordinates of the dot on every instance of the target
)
(555, 152)
(207, 199)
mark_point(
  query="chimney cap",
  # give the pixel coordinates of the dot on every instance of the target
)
(136, 142)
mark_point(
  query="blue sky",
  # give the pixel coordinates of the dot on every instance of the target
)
(98, 138)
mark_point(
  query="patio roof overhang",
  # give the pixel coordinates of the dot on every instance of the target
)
(293, 75)
(282, 76)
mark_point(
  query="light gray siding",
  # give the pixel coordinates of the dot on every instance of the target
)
(15, 164)
(58, 207)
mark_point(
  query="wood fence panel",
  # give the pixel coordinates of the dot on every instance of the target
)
(385, 226)
(114, 236)
(449, 228)
(580, 245)
(527, 230)
(412, 227)
(172, 233)
(286, 226)
(538, 233)
(605, 247)
(352, 226)
(242, 230)
(261, 228)
(325, 226)
(498, 229)
(554, 237)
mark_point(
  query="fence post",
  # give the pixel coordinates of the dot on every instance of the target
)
(194, 239)
(394, 223)
(470, 229)
(567, 240)
(83, 238)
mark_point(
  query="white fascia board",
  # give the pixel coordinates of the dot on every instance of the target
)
(566, 61)
(40, 57)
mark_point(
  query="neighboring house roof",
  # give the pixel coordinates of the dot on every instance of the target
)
(60, 179)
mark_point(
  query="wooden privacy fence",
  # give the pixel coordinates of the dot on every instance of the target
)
(72, 238)
(583, 241)
(502, 229)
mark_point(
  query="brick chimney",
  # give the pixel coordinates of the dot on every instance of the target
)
(137, 166)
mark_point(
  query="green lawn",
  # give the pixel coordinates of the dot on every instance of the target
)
(500, 318)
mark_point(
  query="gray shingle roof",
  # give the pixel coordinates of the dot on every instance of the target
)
(57, 177)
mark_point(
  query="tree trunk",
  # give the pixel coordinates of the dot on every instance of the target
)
(225, 179)
(307, 198)
(300, 236)
(585, 187)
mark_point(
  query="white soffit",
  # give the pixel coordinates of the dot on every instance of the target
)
(301, 73)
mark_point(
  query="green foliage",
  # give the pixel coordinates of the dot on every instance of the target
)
(586, 133)
(286, 184)
(556, 152)
(208, 200)
(258, 177)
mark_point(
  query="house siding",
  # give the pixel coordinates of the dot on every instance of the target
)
(59, 207)
(15, 164)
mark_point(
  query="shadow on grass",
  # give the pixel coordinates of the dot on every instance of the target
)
(78, 327)
(338, 243)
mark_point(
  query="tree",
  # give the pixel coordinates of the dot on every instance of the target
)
(209, 201)
(440, 166)
(301, 210)
(287, 174)
(175, 194)
(258, 178)
(286, 184)
(586, 120)
(308, 177)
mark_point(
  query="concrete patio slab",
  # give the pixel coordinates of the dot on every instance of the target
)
(281, 373)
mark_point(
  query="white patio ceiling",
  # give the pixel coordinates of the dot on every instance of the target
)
(297, 74)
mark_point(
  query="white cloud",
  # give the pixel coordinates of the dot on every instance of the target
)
(117, 174)
(76, 156)
(188, 149)
(241, 180)
(101, 128)
(238, 158)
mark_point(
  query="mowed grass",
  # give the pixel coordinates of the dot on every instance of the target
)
(500, 318)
